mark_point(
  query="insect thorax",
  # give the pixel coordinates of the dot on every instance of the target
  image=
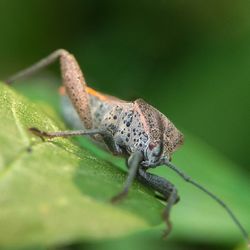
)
(133, 125)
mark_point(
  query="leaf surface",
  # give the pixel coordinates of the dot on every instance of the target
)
(55, 191)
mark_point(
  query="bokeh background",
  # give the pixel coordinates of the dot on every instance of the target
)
(190, 59)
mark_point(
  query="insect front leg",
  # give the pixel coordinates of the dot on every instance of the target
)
(133, 164)
(165, 188)
(67, 133)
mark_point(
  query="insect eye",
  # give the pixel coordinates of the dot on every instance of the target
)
(151, 146)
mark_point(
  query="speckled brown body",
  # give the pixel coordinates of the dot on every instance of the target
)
(133, 125)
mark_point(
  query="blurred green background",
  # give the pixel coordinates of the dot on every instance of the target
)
(190, 59)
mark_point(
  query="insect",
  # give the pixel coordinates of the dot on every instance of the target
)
(135, 130)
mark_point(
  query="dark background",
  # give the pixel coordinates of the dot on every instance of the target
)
(190, 59)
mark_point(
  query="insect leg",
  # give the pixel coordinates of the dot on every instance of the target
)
(64, 133)
(36, 67)
(73, 81)
(133, 164)
(164, 187)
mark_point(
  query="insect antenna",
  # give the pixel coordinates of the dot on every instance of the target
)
(231, 214)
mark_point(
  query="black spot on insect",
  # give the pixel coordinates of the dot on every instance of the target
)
(128, 124)
(128, 134)
(127, 139)
(115, 117)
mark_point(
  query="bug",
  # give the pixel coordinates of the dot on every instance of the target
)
(136, 130)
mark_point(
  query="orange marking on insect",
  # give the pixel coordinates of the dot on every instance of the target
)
(96, 94)
(62, 90)
(90, 91)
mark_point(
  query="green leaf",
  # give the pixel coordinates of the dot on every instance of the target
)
(55, 192)
(196, 218)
